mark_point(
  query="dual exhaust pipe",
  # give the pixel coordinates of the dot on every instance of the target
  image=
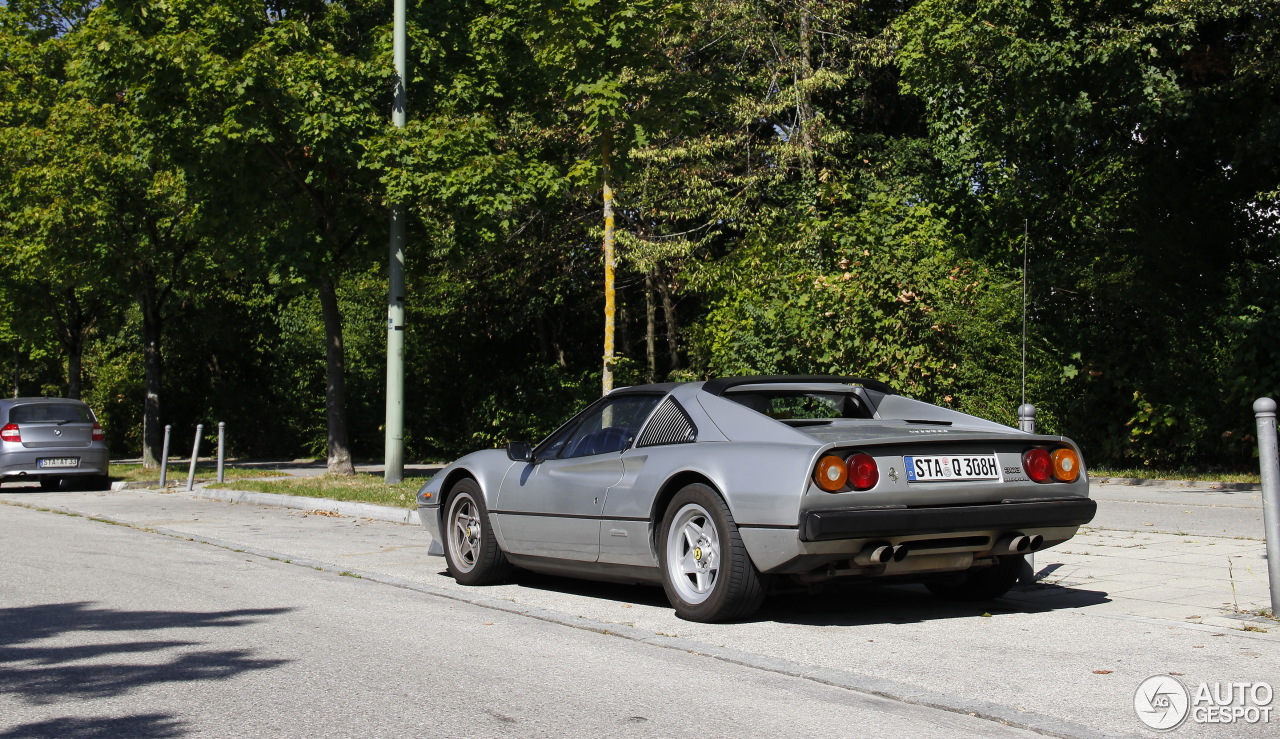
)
(1017, 544)
(881, 553)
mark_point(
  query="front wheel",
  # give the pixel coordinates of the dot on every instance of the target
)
(980, 583)
(706, 571)
(470, 549)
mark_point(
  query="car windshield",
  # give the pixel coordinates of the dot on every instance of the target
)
(800, 404)
(50, 413)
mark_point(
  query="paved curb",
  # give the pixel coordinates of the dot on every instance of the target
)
(1142, 482)
(346, 508)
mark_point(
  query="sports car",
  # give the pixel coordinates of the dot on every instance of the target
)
(724, 490)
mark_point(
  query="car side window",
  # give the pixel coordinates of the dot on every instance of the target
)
(608, 427)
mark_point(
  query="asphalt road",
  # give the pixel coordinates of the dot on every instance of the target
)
(209, 618)
(110, 631)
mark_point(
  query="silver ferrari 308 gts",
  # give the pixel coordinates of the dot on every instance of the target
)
(720, 490)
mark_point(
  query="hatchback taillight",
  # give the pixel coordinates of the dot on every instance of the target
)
(10, 432)
(97, 434)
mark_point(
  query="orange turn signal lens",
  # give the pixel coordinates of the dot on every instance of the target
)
(831, 474)
(1066, 465)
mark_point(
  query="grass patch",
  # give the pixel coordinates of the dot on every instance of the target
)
(1186, 473)
(358, 488)
(179, 472)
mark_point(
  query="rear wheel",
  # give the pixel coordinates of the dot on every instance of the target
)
(980, 583)
(470, 548)
(706, 571)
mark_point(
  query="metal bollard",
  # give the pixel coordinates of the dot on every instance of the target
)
(222, 429)
(1027, 418)
(195, 454)
(1264, 410)
(1027, 423)
(164, 457)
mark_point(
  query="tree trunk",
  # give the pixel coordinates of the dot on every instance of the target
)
(669, 314)
(804, 103)
(75, 361)
(71, 327)
(335, 399)
(650, 328)
(152, 326)
(607, 371)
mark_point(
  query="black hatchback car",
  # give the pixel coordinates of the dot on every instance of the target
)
(51, 440)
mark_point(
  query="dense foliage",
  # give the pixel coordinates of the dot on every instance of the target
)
(194, 199)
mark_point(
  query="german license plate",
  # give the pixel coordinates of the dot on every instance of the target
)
(58, 462)
(943, 468)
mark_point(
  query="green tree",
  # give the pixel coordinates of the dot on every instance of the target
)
(1134, 142)
(303, 99)
(107, 193)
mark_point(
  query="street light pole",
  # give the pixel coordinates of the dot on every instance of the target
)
(394, 463)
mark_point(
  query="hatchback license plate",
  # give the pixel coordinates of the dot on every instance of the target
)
(58, 462)
(944, 468)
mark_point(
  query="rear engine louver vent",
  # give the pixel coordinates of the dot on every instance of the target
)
(670, 425)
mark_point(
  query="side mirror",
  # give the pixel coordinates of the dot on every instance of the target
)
(520, 451)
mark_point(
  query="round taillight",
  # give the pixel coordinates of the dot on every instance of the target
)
(1066, 465)
(863, 472)
(1037, 464)
(10, 432)
(831, 474)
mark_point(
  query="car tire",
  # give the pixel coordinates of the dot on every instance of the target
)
(980, 583)
(471, 550)
(50, 483)
(706, 571)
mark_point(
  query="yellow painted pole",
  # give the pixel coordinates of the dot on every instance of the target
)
(609, 307)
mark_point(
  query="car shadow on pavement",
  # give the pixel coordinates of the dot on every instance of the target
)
(145, 726)
(66, 485)
(637, 594)
(872, 603)
(77, 662)
(852, 604)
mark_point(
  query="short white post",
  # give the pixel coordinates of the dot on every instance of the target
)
(164, 456)
(195, 454)
(222, 429)
(1027, 418)
(1264, 410)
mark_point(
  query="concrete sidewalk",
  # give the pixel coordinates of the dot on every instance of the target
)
(1179, 551)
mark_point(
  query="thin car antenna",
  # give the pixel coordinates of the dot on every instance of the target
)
(1024, 311)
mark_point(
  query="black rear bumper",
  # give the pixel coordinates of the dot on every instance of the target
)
(861, 523)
